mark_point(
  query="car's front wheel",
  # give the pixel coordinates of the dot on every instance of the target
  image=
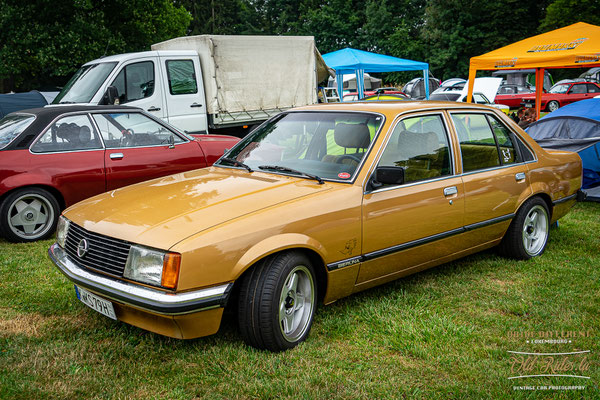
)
(553, 106)
(527, 235)
(28, 214)
(277, 301)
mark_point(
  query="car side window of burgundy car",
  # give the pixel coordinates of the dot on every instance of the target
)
(578, 89)
(593, 88)
(420, 146)
(133, 130)
(70, 133)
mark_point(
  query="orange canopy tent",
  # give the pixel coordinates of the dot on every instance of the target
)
(574, 46)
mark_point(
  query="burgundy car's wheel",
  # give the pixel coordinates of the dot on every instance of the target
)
(277, 302)
(552, 106)
(28, 214)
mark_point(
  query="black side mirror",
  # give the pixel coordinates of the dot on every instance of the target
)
(172, 141)
(110, 96)
(388, 175)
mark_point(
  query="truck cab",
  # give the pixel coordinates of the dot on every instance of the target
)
(167, 84)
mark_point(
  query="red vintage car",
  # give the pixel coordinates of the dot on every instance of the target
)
(512, 95)
(53, 157)
(564, 93)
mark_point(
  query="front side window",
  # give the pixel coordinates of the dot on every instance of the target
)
(330, 145)
(135, 82)
(133, 130)
(12, 126)
(562, 88)
(578, 89)
(420, 146)
(71, 133)
(182, 78)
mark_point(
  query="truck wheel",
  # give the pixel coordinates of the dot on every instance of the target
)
(277, 302)
(527, 235)
(552, 106)
(28, 214)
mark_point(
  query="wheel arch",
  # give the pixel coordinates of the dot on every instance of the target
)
(52, 190)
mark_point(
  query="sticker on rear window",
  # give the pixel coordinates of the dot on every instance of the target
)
(343, 175)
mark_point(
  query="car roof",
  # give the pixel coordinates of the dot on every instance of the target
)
(392, 108)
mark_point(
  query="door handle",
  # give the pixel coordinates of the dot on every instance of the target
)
(520, 176)
(116, 156)
(196, 105)
(449, 191)
(154, 108)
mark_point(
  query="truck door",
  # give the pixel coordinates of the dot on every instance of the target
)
(184, 93)
(137, 85)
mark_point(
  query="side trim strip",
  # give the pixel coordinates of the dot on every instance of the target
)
(567, 198)
(405, 246)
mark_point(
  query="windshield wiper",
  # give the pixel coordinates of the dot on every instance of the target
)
(236, 162)
(67, 102)
(292, 171)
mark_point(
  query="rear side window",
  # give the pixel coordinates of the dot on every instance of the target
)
(592, 88)
(182, 78)
(12, 126)
(68, 134)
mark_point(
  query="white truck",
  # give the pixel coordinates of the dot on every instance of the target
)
(203, 84)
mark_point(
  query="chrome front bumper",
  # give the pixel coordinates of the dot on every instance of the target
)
(139, 296)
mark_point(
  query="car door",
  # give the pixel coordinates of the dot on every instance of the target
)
(577, 92)
(494, 173)
(139, 148)
(70, 157)
(407, 225)
(184, 94)
(137, 86)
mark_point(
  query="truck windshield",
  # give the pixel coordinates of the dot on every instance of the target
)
(85, 83)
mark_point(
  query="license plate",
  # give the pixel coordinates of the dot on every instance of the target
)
(97, 303)
(528, 105)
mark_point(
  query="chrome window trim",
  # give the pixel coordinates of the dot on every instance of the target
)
(15, 138)
(358, 167)
(397, 120)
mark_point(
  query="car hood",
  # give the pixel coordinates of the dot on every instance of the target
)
(161, 212)
(488, 86)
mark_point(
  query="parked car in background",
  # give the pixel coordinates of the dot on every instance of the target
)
(591, 75)
(478, 98)
(53, 157)
(415, 89)
(451, 85)
(353, 96)
(564, 93)
(512, 95)
(316, 204)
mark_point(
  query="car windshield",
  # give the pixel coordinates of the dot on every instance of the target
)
(560, 88)
(444, 96)
(11, 126)
(329, 145)
(85, 83)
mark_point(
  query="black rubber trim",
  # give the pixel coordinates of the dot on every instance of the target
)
(151, 305)
(567, 198)
(405, 246)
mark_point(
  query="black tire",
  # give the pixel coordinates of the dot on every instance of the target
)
(28, 214)
(552, 106)
(271, 315)
(527, 235)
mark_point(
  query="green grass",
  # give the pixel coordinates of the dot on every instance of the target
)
(439, 334)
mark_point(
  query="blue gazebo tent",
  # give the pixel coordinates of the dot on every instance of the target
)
(352, 61)
(574, 127)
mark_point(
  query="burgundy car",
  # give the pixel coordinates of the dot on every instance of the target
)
(564, 93)
(53, 157)
(512, 95)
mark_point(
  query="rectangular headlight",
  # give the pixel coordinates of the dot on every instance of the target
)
(153, 267)
(62, 228)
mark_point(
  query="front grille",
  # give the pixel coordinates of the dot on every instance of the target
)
(104, 253)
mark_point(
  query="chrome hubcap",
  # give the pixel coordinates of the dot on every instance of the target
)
(296, 303)
(535, 230)
(30, 216)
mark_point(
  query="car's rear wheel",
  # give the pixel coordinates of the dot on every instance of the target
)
(277, 302)
(552, 106)
(527, 235)
(28, 214)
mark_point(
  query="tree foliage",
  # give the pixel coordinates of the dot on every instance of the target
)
(45, 41)
(566, 12)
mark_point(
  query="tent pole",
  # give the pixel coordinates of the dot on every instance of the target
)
(360, 83)
(539, 89)
(339, 78)
(471, 83)
(426, 82)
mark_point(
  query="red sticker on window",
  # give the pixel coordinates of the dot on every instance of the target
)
(343, 175)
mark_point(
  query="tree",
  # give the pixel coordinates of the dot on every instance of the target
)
(43, 42)
(566, 12)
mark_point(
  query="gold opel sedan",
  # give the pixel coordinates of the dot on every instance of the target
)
(317, 203)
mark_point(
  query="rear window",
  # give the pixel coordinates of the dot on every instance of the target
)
(11, 126)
